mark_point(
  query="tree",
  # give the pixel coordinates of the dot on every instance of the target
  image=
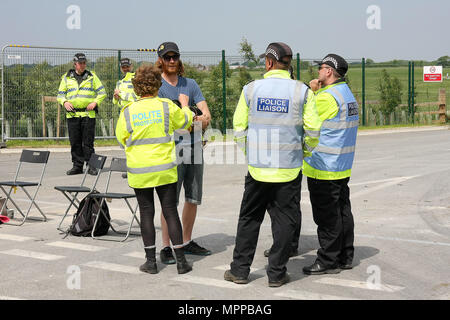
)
(213, 92)
(390, 93)
(247, 51)
(443, 61)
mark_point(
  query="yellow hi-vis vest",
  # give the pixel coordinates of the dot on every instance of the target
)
(126, 89)
(90, 90)
(145, 130)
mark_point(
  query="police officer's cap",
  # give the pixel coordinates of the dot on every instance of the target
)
(79, 57)
(125, 62)
(167, 47)
(278, 50)
(336, 62)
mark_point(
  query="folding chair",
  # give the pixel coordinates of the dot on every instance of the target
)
(117, 165)
(28, 156)
(71, 192)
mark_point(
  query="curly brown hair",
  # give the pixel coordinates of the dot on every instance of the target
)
(147, 80)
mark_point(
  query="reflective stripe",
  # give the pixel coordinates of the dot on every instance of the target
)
(128, 81)
(309, 148)
(331, 150)
(340, 124)
(186, 120)
(156, 168)
(100, 88)
(62, 92)
(280, 147)
(272, 121)
(130, 86)
(239, 134)
(126, 114)
(87, 89)
(141, 142)
(312, 134)
(134, 96)
(298, 100)
(80, 96)
(341, 102)
(249, 94)
(71, 89)
(166, 117)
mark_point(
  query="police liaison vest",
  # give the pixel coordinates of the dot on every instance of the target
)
(275, 123)
(336, 149)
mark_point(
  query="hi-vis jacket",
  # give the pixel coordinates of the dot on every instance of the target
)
(332, 159)
(145, 130)
(278, 123)
(126, 89)
(90, 90)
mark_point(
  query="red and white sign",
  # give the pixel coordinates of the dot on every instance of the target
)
(432, 74)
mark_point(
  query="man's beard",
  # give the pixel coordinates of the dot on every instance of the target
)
(170, 70)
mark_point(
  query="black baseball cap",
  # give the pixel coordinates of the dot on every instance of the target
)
(125, 62)
(336, 62)
(79, 57)
(278, 50)
(167, 47)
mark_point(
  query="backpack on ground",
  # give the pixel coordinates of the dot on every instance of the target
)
(84, 219)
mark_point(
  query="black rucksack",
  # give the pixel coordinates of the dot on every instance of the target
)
(84, 219)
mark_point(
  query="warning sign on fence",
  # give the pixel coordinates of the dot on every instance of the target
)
(432, 74)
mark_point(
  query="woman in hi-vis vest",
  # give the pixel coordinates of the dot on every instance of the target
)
(144, 130)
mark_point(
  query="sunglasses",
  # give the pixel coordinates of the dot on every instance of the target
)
(174, 57)
(324, 67)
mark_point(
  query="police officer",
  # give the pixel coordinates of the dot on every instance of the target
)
(81, 92)
(124, 91)
(145, 130)
(277, 120)
(329, 168)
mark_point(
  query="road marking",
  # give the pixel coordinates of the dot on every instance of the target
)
(4, 236)
(76, 246)
(382, 186)
(358, 284)
(404, 240)
(32, 254)
(227, 267)
(112, 267)
(136, 254)
(306, 295)
(210, 282)
(9, 298)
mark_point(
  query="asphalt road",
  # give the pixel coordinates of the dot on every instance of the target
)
(400, 193)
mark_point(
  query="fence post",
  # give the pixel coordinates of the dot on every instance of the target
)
(442, 106)
(119, 56)
(224, 93)
(409, 90)
(298, 66)
(363, 91)
(2, 141)
(412, 90)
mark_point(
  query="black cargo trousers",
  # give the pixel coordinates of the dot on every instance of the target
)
(282, 201)
(81, 137)
(331, 207)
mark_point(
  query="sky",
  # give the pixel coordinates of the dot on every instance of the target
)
(376, 29)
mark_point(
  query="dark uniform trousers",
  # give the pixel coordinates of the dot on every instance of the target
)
(282, 201)
(81, 137)
(330, 200)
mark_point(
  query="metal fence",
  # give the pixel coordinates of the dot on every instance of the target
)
(31, 76)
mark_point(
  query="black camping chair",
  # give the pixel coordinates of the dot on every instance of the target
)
(117, 165)
(28, 156)
(71, 192)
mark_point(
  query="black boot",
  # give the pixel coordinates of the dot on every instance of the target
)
(150, 265)
(182, 265)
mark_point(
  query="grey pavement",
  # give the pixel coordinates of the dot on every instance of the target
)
(400, 192)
